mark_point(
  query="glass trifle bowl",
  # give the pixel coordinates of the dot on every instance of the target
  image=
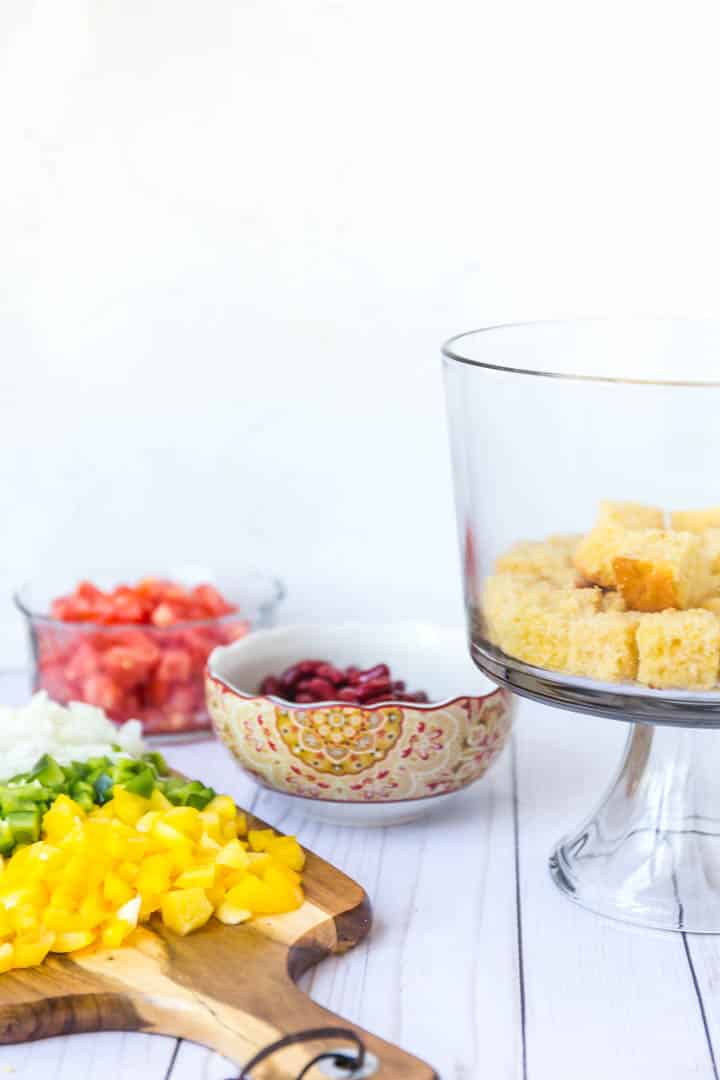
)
(586, 458)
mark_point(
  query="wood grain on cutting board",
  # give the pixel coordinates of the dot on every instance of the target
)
(228, 987)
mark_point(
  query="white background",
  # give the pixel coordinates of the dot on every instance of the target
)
(234, 233)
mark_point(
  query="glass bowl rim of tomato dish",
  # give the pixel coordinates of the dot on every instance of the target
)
(264, 592)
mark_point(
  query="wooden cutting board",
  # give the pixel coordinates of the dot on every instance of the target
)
(228, 987)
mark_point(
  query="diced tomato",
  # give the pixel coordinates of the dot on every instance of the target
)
(176, 665)
(55, 681)
(157, 691)
(182, 704)
(210, 599)
(140, 659)
(198, 642)
(126, 665)
(101, 690)
(165, 615)
(84, 661)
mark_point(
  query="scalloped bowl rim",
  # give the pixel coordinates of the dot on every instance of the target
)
(251, 641)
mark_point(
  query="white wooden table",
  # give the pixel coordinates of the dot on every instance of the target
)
(475, 962)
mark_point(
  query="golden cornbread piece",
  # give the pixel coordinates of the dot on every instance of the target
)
(711, 542)
(629, 515)
(712, 603)
(565, 576)
(679, 649)
(595, 553)
(603, 647)
(540, 558)
(505, 595)
(695, 520)
(612, 601)
(530, 619)
(659, 569)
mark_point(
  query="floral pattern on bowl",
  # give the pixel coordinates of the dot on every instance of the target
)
(343, 753)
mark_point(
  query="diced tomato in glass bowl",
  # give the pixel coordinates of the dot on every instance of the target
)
(138, 649)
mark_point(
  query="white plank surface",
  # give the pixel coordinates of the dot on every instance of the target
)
(441, 973)
(616, 998)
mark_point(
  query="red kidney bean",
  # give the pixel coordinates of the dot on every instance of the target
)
(348, 693)
(271, 685)
(321, 689)
(373, 687)
(331, 673)
(377, 672)
(317, 681)
(291, 676)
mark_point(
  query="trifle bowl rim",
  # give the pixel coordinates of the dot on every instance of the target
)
(451, 350)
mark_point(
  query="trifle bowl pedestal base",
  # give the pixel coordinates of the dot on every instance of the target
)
(650, 853)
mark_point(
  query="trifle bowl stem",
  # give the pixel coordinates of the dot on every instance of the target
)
(650, 853)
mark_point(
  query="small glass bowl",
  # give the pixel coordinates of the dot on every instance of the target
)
(138, 671)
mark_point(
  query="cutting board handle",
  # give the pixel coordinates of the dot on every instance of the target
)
(354, 1059)
(243, 1036)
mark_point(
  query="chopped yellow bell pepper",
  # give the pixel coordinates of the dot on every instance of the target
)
(184, 910)
(233, 855)
(260, 839)
(93, 877)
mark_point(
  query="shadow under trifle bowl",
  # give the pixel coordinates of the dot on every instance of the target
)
(351, 764)
(546, 420)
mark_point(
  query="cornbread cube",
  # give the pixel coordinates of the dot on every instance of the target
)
(576, 601)
(711, 541)
(629, 515)
(603, 646)
(542, 639)
(540, 558)
(659, 569)
(565, 577)
(595, 553)
(695, 520)
(612, 601)
(679, 649)
(505, 596)
(566, 543)
(530, 619)
(712, 603)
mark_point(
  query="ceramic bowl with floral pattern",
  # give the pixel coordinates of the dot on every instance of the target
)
(353, 764)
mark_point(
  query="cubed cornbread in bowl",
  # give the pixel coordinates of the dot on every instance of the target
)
(630, 515)
(550, 559)
(531, 619)
(653, 569)
(695, 520)
(711, 540)
(594, 554)
(631, 601)
(661, 569)
(679, 649)
(604, 646)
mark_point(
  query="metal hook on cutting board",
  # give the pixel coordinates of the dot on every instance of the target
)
(350, 1063)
